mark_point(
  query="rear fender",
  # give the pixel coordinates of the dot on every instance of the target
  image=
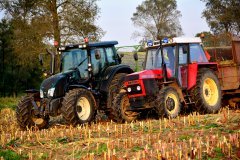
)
(193, 71)
(33, 92)
(110, 73)
(77, 86)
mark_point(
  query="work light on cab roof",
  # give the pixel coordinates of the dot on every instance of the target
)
(151, 43)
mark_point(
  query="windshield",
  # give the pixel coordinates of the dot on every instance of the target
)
(75, 58)
(154, 59)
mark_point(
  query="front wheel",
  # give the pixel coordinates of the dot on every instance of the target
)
(207, 92)
(78, 107)
(25, 115)
(121, 105)
(167, 103)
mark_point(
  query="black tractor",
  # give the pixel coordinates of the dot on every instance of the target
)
(90, 76)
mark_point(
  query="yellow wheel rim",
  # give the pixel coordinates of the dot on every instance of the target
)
(210, 91)
(171, 103)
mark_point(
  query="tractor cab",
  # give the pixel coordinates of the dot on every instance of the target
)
(176, 55)
(90, 59)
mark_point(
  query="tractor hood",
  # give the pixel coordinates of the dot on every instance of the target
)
(55, 85)
(148, 74)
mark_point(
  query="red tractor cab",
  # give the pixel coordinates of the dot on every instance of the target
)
(177, 74)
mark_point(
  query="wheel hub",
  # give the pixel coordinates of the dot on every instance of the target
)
(83, 108)
(170, 104)
(210, 91)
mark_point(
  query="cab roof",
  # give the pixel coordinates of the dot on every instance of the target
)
(94, 44)
(187, 40)
(176, 40)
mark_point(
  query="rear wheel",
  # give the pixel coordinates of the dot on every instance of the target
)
(25, 115)
(79, 107)
(114, 89)
(207, 92)
(168, 104)
(121, 104)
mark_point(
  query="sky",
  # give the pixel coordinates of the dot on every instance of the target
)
(115, 19)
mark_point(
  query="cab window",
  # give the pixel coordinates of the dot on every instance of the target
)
(197, 54)
(110, 55)
(183, 54)
(98, 64)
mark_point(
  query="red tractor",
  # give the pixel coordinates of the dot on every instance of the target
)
(177, 74)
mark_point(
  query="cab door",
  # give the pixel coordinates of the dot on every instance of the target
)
(183, 50)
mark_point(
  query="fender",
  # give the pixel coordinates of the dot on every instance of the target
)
(77, 86)
(110, 73)
(193, 71)
(33, 92)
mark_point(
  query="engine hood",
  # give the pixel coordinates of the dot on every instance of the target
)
(58, 82)
(148, 74)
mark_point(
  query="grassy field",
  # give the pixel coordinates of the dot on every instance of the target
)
(8, 102)
(215, 136)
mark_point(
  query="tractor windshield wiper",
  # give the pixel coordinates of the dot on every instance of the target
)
(73, 68)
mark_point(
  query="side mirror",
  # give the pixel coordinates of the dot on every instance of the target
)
(40, 59)
(135, 56)
(121, 55)
(97, 54)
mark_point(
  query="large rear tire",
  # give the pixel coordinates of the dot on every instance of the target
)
(78, 107)
(168, 103)
(25, 115)
(207, 92)
(114, 88)
(121, 104)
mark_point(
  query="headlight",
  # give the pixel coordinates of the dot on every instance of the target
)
(129, 89)
(41, 93)
(138, 88)
(51, 92)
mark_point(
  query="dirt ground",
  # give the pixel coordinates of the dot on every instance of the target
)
(215, 136)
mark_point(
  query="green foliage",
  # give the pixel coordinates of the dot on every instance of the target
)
(29, 29)
(218, 152)
(211, 125)
(223, 15)
(158, 18)
(185, 137)
(10, 155)
(8, 102)
(102, 148)
(137, 148)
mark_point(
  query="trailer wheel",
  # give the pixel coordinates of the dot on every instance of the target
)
(207, 92)
(168, 104)
(114, 89)
(78, 107)
(120, 104)
(25, 115)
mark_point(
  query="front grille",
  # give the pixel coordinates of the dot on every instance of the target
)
(132, 77)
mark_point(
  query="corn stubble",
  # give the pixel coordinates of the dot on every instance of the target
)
(188, 137)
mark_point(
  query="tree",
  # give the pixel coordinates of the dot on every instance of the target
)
(5, 53)
(64, 21)
(35, 25)
(157, 19)
(223, 15)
